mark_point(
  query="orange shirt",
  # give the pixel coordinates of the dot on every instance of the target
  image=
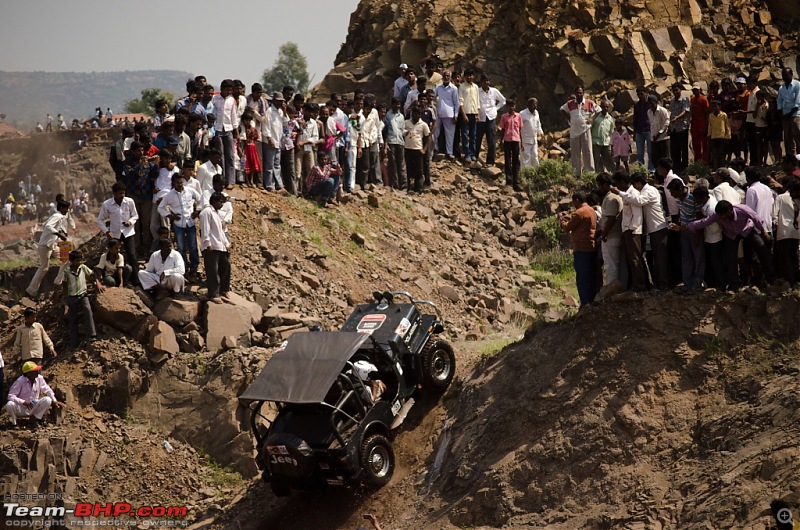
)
(582, 226)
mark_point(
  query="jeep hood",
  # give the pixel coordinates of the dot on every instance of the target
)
(305, 369)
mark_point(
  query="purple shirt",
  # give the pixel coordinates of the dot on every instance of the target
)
(23, 390)
(743, 221)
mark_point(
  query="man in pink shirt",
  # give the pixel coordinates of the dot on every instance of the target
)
(511, 125)
(30, 395)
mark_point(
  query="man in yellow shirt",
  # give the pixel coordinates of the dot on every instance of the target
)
(31, 338)
(719, 132)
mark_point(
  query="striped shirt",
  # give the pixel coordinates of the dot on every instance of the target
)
(76, 281)
(687, 209)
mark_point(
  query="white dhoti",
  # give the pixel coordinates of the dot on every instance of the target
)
(151, 279)
(38, 410)
(529, 155)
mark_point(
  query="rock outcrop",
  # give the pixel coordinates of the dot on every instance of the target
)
(545, 48)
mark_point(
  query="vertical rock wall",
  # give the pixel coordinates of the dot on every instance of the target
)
(545, 47)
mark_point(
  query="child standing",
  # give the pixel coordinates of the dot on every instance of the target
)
(511, 125)
(252, 163)
(719, 132)
(621, 145)
(76, 276)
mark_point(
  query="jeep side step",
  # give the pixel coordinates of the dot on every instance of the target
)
(402, 413)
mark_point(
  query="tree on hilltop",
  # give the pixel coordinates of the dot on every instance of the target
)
(289, 69)
(146, 104)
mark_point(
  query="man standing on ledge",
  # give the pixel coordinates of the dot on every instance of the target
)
(582, 226)
(580, 113)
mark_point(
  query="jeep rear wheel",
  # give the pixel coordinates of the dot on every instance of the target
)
(439, 366)
(377, 460)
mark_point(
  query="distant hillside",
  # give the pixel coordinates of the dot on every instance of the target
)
(27, 97)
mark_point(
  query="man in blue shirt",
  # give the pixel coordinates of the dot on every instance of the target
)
(788, 105)
(447, 107)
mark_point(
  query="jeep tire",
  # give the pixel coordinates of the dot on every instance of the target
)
(438, 366)
(377, 460)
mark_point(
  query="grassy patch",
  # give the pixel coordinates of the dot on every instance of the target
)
(218, 476)
(20, 264)
(492, 347)
(554, 268)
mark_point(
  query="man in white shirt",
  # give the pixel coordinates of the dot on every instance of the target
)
(395, 130)
(659, 128)
(206, 171)
(258, 103)
(581, 113)
(654, 224)
(182, 206)
(55, 228)
(226, 109)
(165, 268)
(530, 133)
(712, 238)
(355, 125)
(226, 211)
(787, 233)
(724, 189)
(214, 244)
(491, 101)
(447, 109)
(631, 231)
(470, 104)
(370, 171)
(750, 120)
(120, 212)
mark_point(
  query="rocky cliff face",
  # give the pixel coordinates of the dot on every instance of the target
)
(544, 48)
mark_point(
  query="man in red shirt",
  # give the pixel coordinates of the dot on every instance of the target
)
(698, 105)
(511, 124)
(582, 226)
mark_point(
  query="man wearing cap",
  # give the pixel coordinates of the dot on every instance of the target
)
(659, 128)
(401, 81)
(699, 107)
(679, 128)
(30, 339)
(25, 395)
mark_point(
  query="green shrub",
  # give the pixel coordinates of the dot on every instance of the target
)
(549, 173)
(549, 231)
(555, 261)
(698, 169)
(636, 167)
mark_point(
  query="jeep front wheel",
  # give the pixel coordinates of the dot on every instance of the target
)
(439, 366)
(377, 460)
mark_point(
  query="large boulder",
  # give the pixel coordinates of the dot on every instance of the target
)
(162, 343)
(223, 320)
(177, 312)
(252, 307)
(121, 309)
